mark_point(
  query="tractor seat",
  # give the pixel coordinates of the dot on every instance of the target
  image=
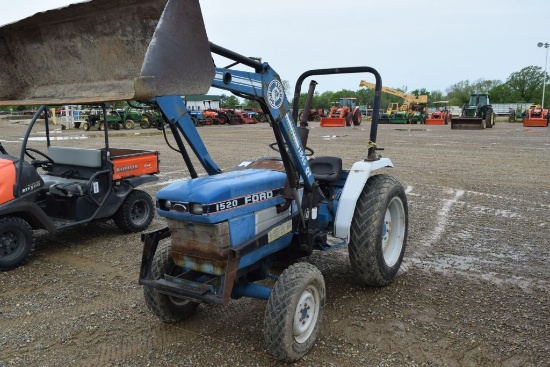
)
(326, 169)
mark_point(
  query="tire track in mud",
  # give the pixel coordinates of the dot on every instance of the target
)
(447, 249)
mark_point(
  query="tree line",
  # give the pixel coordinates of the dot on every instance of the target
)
(524, 86)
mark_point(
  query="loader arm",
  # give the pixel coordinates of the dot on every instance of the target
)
(265, 87)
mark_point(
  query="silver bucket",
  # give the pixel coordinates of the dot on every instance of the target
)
(105, 50)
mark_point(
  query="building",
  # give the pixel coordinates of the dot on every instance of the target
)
(202, 102)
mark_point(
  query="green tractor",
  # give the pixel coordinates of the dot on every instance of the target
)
(116, 118)
(516, 115)
(476, 115)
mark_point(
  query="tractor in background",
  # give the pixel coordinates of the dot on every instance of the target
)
(345, 113)
(441, 115)
(313, 114)
(412, 111)
(517, 114)
(477, 114)
(536, 116)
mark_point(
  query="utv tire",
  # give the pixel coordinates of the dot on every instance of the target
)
(85, 126)
(16, 242)
(167, 308)
(136, 212)
(294, 312)
(379, 228)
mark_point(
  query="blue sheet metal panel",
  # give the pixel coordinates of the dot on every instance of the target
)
(264, 251)
(224, 196)
(242, 228)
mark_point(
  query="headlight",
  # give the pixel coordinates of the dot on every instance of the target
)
(165, 204)
(197, 209)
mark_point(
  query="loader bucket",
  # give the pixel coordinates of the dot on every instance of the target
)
(467, 123)
(431, 121)
(333, 122)
(535, 122)
(105, 50)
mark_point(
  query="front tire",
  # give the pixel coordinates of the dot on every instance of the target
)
(167, 308)
(379, 231)
(136, 212)
(16, 242)
(128, 124)
(294, 312)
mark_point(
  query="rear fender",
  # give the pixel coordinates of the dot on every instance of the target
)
(355, 182)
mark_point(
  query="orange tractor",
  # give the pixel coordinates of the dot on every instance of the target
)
(441, 116)
(536, 116)
(345, 113)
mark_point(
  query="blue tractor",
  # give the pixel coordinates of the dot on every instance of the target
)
(224, 230)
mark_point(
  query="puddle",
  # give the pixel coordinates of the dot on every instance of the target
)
(412, 129)
(117, 134)
(43, 138)
(329, 137)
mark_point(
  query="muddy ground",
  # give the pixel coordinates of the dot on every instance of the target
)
(473, 289)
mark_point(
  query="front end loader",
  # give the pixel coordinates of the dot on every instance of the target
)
(225, 229)
(476, 115)
(536, 117)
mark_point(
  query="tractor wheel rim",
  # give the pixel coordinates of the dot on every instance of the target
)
(393, 231)
(306, 314)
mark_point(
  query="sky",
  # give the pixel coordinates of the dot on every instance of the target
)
(413, 44)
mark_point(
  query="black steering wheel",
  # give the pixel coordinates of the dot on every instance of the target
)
(308, 150)
(35, 162)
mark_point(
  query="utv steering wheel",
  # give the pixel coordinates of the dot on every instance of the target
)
(309, 152)
(35, 162)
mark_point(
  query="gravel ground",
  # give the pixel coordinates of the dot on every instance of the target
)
(473, 289)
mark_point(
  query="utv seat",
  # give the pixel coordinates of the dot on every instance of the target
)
(326, 169)
(58, 182)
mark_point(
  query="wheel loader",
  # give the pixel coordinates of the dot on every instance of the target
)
(225, 230)
(477, 114)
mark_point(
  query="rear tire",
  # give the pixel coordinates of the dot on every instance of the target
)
(136, 212)
(167, 308)
(356, 118)
(489, 118)
(16, 242)
(379, 231)
(294, 312)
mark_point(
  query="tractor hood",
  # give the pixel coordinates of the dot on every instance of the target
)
(222, 196)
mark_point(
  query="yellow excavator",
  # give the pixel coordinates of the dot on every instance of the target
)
(412, 110)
